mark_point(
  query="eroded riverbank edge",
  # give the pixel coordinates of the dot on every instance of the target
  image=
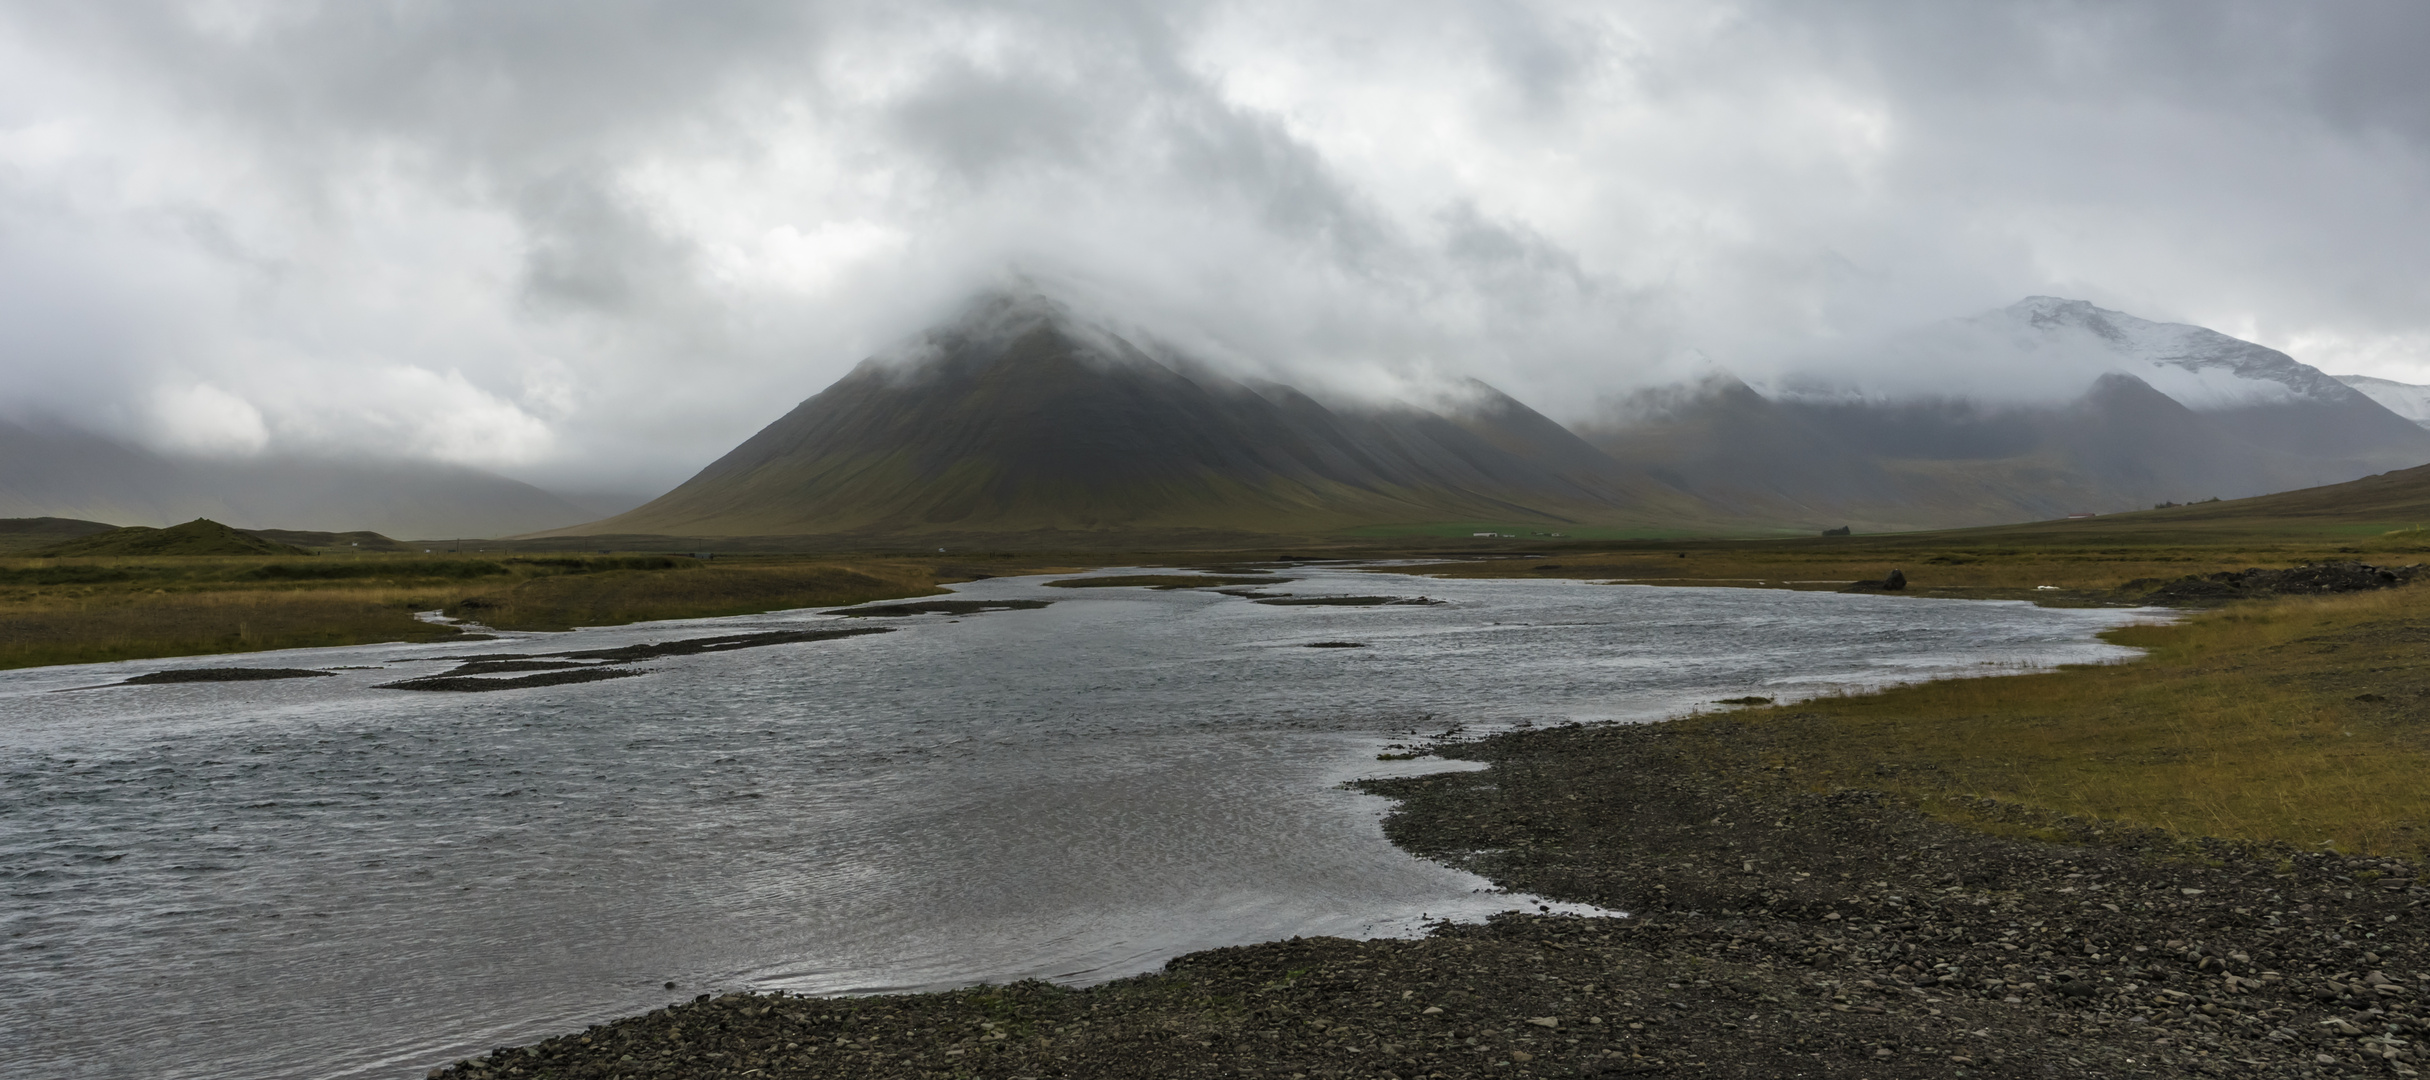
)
(1775, 932)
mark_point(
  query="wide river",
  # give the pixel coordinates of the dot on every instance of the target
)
(321, 878)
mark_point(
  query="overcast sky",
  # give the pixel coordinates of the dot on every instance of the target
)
(596, 243)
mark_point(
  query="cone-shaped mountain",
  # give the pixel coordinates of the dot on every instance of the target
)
(1020, 416)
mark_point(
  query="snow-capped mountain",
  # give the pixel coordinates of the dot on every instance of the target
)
(2046, 407)
(2203, 369)
(2407, 400)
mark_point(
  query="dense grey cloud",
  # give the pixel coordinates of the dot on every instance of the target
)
(594, 244)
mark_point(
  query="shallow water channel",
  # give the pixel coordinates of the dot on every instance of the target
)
(320, 878)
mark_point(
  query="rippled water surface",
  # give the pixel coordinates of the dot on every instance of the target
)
(316, 877)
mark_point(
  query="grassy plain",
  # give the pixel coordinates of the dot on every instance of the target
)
(1973, 564)
(2296, 720)
(88, 610)
(151, 618)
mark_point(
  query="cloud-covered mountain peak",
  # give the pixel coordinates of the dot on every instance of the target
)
(2056, 314)
(2201, 368)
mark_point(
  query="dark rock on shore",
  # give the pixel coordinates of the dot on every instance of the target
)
(1893, 583)
(223, 674)
(2312, 579)
(1775, 932)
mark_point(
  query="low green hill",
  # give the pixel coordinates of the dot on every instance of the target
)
(22, 534)
(2392, 505)
(201, 536)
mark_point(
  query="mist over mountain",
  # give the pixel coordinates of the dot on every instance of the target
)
(2124, 413)
(61, 471)
(2407, 400)
(1020, 416)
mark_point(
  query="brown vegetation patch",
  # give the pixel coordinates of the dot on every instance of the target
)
(127, 624)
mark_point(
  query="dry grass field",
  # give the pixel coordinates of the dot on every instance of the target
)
(1946, 564)
(89, 610)
(2298, 720)
(128, 624)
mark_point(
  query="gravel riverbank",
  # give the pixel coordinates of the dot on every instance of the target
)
(1774, 932)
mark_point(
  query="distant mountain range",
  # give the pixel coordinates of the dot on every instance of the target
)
(60, 471)
(1019, 416)
(2167, 413)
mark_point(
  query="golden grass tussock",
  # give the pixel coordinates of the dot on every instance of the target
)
(2292, 720)
(136, 626)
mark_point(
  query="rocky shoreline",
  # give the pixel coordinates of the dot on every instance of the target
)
(1774, 932)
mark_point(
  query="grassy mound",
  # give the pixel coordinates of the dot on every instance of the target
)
(24, 534)
(201, 536)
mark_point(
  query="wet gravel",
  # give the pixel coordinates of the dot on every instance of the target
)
(222, 674)
(1773, 932)
(2310, 579)
(475, 674)
(1345, 601)
(471, 684)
